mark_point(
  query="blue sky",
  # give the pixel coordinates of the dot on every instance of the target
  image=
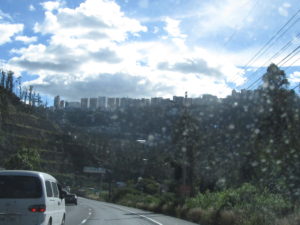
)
(144, 48)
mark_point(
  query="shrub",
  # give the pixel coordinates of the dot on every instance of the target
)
(247, 197)
(195, 214)
(181, 211)
(154, 207)
(245, 205)
(149, 186)
(121, 193)
(168, 208)
(104, 196)
(292, 219)
(228, 217)
(166, 197)
(208, 217)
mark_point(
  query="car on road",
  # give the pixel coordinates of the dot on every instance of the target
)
(30, 198)
(71, 198)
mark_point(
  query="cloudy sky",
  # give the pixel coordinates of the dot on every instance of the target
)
(147, 48)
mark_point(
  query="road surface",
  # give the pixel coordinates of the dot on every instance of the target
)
(90, 212)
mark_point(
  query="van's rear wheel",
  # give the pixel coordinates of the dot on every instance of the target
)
(63, 220)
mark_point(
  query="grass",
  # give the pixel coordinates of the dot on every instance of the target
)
(246, 205)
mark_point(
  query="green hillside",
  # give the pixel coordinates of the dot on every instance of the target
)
(26, 127)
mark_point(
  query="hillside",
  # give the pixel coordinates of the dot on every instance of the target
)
(27, 127)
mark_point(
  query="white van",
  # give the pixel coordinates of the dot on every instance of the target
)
(30, 198)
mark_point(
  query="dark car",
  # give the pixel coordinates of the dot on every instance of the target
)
(71, 198)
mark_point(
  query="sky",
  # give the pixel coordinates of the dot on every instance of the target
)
(146, 48)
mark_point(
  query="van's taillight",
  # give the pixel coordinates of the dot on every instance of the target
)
(37, 208)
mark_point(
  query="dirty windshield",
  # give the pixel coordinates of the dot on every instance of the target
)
(188, 109)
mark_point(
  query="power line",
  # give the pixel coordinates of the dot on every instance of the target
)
(280, 36)
(286, 46)
(275, 55)
(294, 52)
(273, 37)
(295, 87)
(268, 44)
(243, 20)
(289, 67)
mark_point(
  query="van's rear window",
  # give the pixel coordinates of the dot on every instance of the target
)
(20, 187)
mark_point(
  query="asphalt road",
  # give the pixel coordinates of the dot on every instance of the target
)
(89, 212)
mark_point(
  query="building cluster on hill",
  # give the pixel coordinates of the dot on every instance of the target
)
(110, 103)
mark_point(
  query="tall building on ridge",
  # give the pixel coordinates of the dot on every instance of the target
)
(62, 104)
(102, 102)
(207, 98)
(156, 100)
(145, 102)
(84, 103)
(72, 105)
(56, 102)
(118, 102)
(93, 103)
(178, 100)
(111, 103)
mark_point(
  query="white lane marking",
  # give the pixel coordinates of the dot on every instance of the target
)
(84, 221)
(145, 217)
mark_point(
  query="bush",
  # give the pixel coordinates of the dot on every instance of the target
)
(247, 197)
(229, 217)
(292, 219)
(149, 186)
(168, 208)
(195, 214)
(245, 205)
(167, 197)
(104, 196)
(121, 193)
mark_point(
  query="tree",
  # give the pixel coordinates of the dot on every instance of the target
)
(3, 79)
(25, 95)
(277, 126)
(3, 105)
(39, 99)
(275, 105)
(30, 95)
(186, 138)
(24, 159)
(10, 81)
(19, 87)
(274, 79)
(34, 100)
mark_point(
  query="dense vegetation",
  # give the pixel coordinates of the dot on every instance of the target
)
(234, 159)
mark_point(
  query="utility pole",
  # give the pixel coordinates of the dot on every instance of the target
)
(185, 144)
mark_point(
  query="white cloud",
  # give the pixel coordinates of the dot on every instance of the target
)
(220, 15)
(31, 8)
(174, 33)
(51, 5)
(90, 53)
(143, 3)
(172, 28)
(4, 15)
(7, 31)
(295, 77)
(104, 17)
(26, 39)
(283, 9)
